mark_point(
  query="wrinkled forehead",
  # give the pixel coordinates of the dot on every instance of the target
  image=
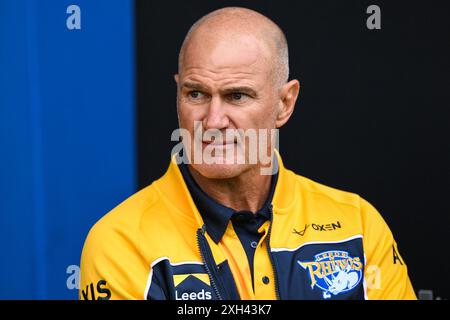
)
(229, 52)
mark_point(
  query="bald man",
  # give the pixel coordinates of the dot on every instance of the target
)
(228, 220)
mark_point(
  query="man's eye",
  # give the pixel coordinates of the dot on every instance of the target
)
(238, 96)
(195, 94)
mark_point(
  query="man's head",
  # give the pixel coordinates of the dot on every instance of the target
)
(233, 72)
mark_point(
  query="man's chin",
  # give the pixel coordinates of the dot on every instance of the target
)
(220, 171)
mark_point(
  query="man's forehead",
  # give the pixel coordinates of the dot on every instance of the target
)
(243, 54)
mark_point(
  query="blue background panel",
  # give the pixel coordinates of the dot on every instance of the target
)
(67, 135)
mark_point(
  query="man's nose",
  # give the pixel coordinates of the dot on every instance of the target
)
(216, 117)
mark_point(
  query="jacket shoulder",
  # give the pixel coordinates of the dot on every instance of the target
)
(111, 253)
(128, 213)
(327, 193)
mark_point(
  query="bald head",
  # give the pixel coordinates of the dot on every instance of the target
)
(233, 23)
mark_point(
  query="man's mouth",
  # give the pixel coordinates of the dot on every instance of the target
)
(218, 143)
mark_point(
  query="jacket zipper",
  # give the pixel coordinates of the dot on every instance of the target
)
(200, 239)
(277, 290)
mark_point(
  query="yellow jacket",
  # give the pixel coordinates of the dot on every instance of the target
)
(322, 243)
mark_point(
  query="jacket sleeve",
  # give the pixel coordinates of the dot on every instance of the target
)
(111, 266)
(386, 274)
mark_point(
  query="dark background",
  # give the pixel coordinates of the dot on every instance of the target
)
(372, 116)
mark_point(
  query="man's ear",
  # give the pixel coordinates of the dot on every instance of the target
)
(288, 96)
(176, 77)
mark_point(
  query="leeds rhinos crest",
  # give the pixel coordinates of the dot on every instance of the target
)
(334, 272)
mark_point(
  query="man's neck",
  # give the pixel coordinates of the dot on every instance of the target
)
(248, 191)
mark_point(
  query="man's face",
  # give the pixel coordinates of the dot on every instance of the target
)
(226, 84)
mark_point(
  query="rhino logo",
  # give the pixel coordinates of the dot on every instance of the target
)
(334, 272)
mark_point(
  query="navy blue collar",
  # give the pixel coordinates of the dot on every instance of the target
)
(215, 215)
